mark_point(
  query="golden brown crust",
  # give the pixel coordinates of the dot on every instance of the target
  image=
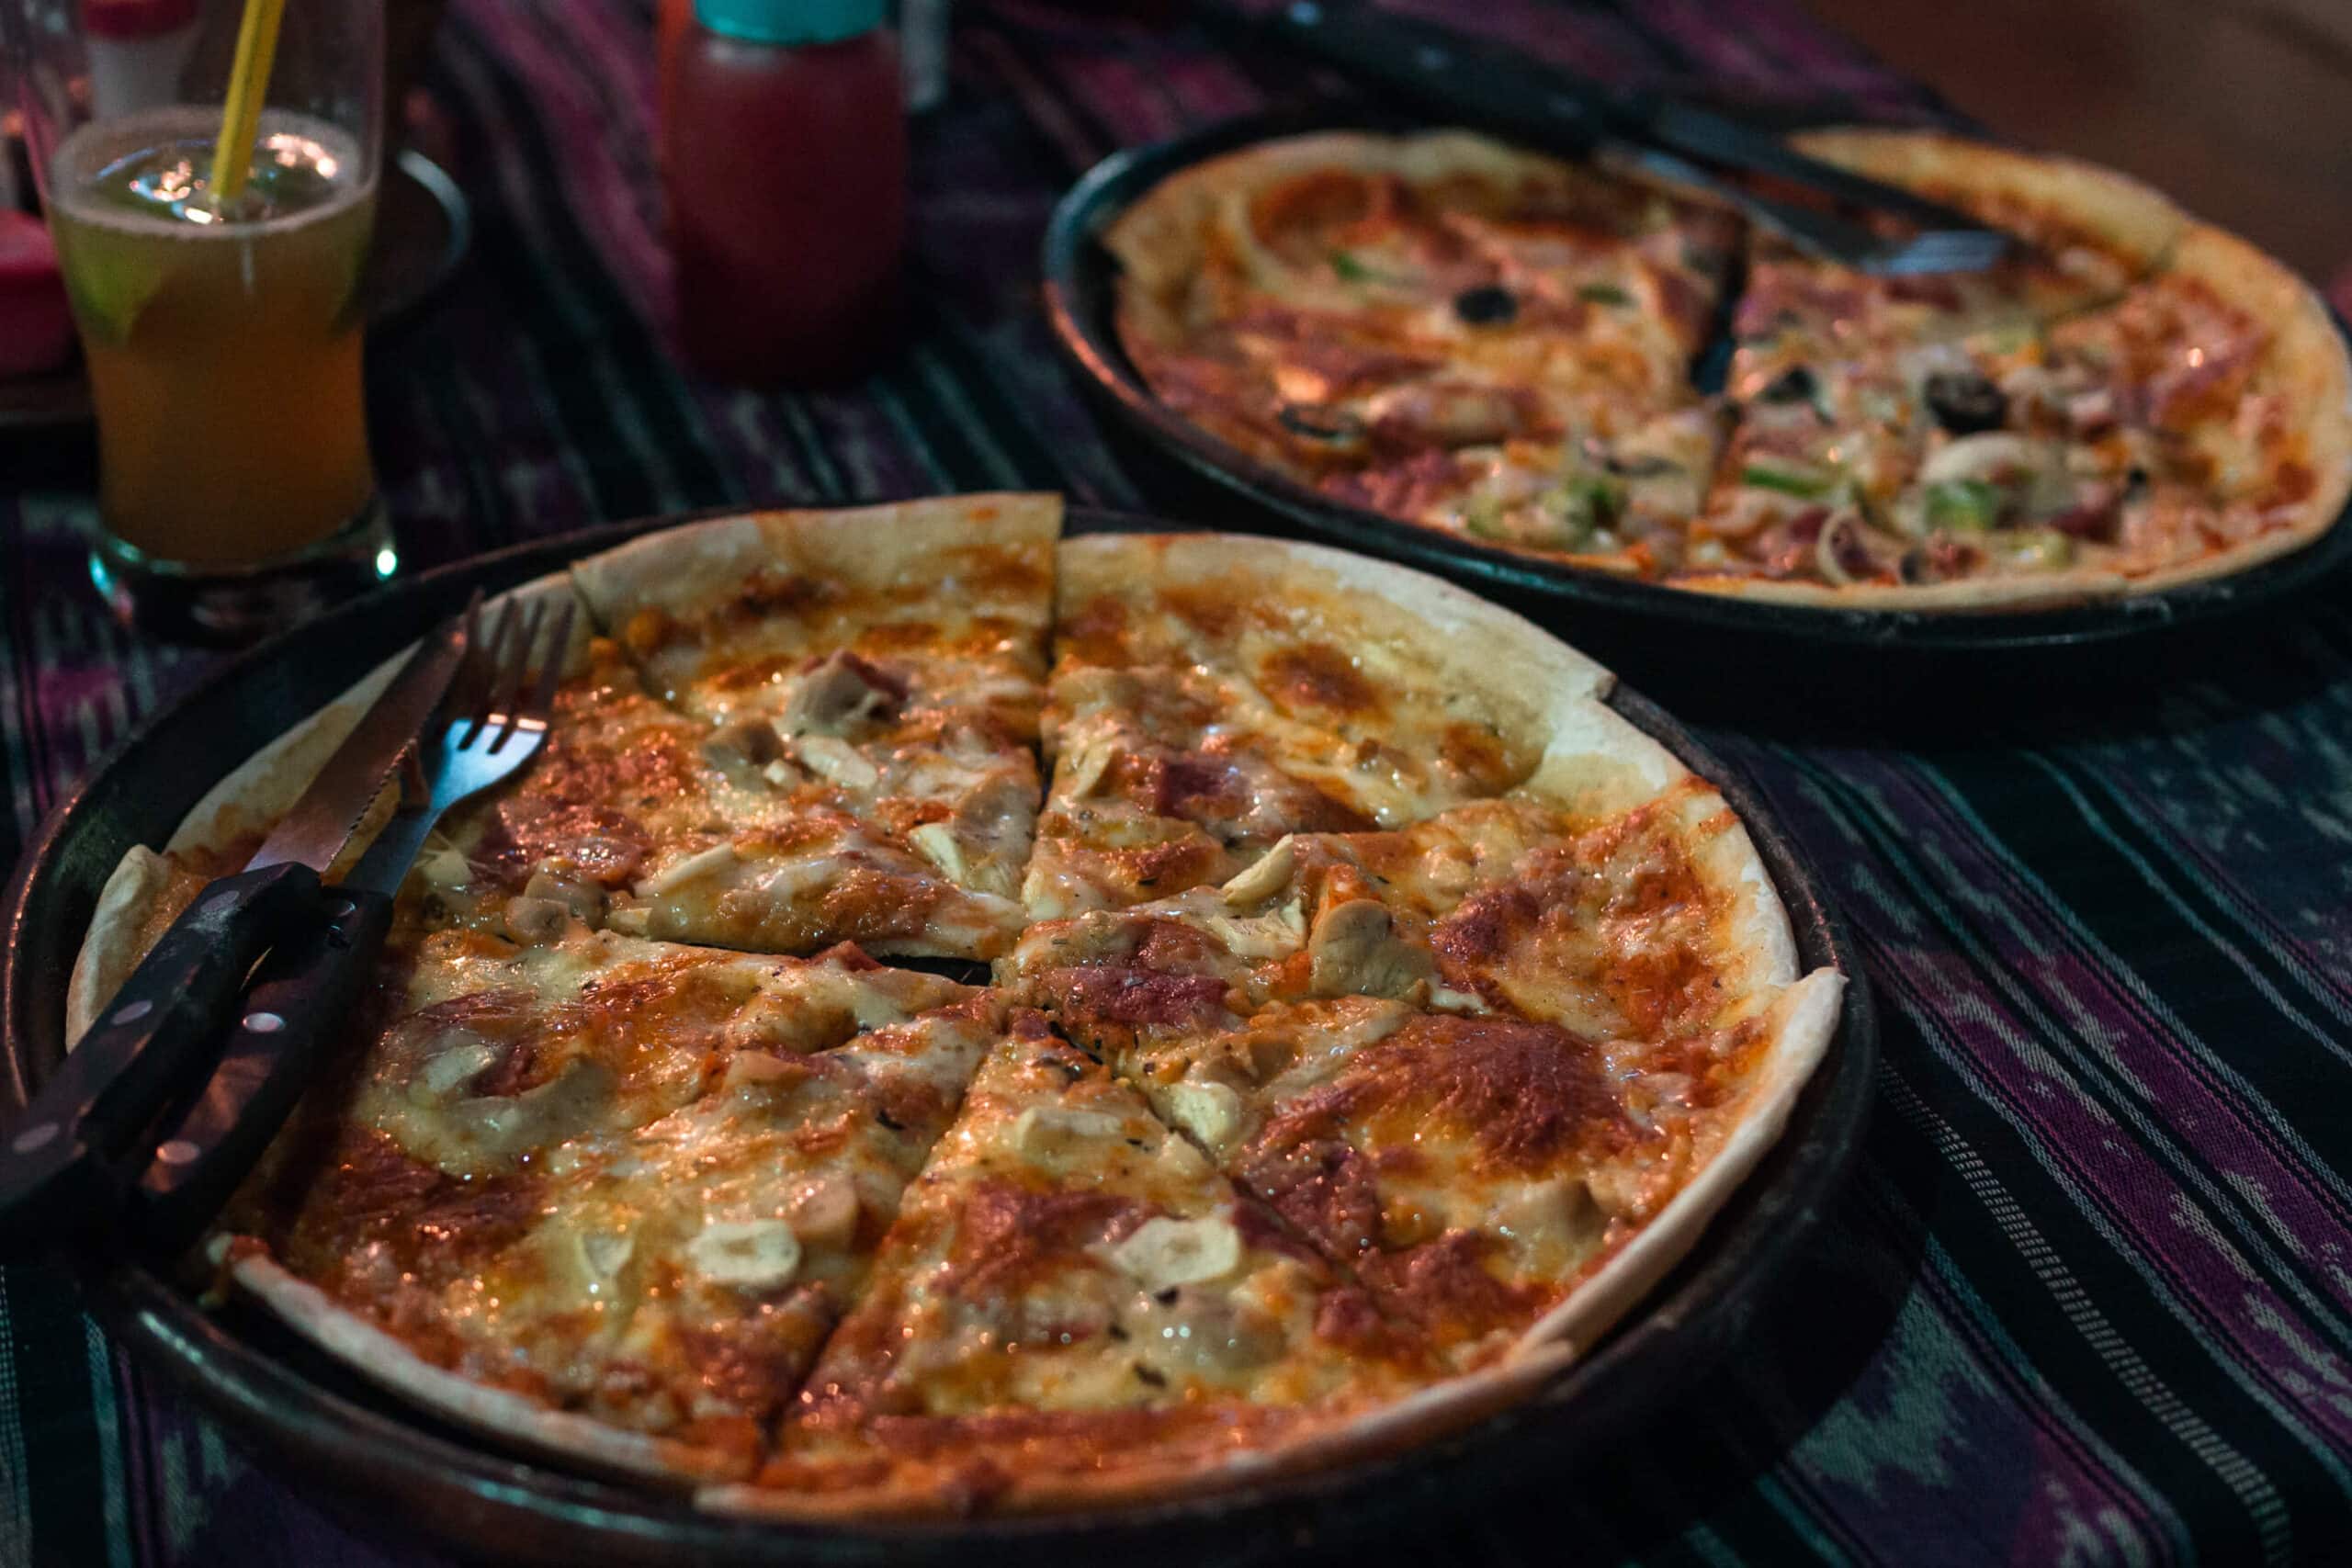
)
(877, 551)
(506, 1418)
(1800, 1026)
(1293, 1448)
(1462, 641)
(1983, 593)
(1598, 764)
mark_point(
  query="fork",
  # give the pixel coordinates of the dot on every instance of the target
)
(501, 704)
(506, 701)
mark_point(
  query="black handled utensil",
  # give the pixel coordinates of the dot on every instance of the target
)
(62, 1170)
(1643, 134)
(305, 990)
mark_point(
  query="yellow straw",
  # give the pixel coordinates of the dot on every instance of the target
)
(232, 154)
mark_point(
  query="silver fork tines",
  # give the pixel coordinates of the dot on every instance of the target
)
(508, 700)
(512, 662)
(497, 717)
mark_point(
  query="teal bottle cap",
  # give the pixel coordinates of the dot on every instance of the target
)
(789, 22)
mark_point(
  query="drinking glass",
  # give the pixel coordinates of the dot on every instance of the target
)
(222, 334)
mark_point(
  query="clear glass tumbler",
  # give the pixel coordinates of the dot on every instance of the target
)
(222, 333)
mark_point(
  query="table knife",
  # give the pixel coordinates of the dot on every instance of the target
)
(1482, 82)
(66, 1165)
(304, 991)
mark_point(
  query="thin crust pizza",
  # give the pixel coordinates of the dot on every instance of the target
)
(1375, 1016)
(1502, 346)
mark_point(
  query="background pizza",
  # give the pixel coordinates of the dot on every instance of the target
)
(1374, 1015)
(1500, 346)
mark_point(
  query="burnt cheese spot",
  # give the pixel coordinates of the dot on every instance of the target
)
(1316, 675)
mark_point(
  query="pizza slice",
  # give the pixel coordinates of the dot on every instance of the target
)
(1471, 1060)
(653, 823)
(1613, 919)
(1211, 696)
(1072, 1295)
(1471, 1171)
(2190, 396)
(1478, 1059)
(878, 674)
(607, 1193)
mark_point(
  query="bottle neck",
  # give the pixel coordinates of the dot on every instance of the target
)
(789, 24)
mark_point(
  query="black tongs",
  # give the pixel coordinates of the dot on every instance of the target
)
(1474, 82)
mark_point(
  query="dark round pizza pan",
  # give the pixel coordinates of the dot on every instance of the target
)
(389, 1469)
(1706, 652)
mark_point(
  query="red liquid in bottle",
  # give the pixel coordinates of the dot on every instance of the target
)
(786, 171)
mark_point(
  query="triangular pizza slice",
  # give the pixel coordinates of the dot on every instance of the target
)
(640, 818)
(1211, 694)
(878, 671)
(1071, 1288)
(2088, 235)
(603, 1183)
(2135, 440)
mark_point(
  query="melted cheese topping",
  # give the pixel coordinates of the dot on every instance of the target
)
(1467, 1056)
(630, 1179)
(1192, 731)
(1929, 439)
(1066, 1255)
(1364, 318)
(744, 837)
(1495, 346)
(1472, 1170)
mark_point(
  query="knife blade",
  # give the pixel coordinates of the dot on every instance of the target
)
(330, 810)
(62, 1163)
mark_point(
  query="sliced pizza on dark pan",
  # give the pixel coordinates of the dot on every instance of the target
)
(1376, 1015)
(1498, 346)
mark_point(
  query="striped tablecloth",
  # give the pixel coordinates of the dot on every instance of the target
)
(2089, 1296)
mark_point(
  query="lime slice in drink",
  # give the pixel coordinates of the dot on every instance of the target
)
(111, 283)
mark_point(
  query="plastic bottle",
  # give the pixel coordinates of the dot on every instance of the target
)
(786, 163)
(136, 50)
(923, 41)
